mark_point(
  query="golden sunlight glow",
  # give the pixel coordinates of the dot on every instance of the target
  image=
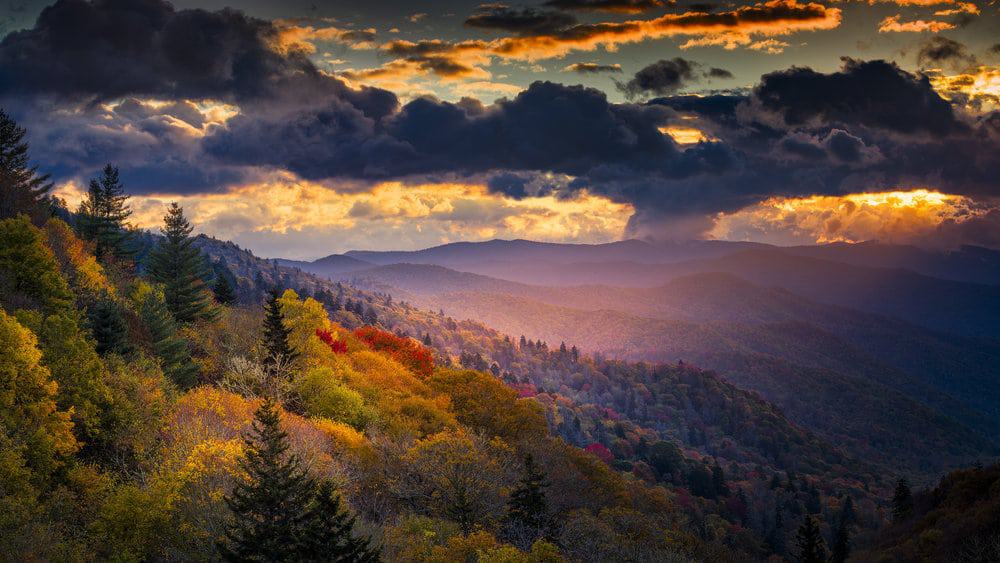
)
(424, 214)
(978, 87)
(685, 135)
(896, 216)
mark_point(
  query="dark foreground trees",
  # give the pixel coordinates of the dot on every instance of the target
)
(22, 189)
(282, 514)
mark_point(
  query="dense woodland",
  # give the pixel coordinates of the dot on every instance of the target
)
(172, 397)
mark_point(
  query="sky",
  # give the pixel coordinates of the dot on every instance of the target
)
(305, 128)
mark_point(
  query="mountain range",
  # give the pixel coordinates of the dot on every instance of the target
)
(859, 343)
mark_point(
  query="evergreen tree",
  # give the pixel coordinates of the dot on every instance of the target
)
(268, 516)
(810, 542)
(527, 508)
(182, 270)
(719, 480)
(328, 531)
(169, 347)
(841, 544)
(276, 345)
(902, 501)
(108, 327)
(223, 288)
(22, 189)
(103, 214)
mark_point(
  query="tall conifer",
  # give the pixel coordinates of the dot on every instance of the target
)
(182, 270)
(22, 189)
(268, 508)
(276, 346)
(810, 542)
(103, 215)
(527, 508)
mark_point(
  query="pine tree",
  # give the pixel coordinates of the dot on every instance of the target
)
(182, 270)
(223, 288)
(268, 516)
(841, 544)
(902, 501)
(527, 508)
(22, 189)
(108, 327)
(328, 531)
(103, 215)
(276, 345)
(810, 542)
(169, 347)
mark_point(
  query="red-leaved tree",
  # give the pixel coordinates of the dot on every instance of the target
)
(338, 346)
(406, 351)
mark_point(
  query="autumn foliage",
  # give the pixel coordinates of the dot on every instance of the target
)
(338, 346)
(406, 351)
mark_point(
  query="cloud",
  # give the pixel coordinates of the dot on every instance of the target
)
(913, 216)
(281, 215)
(592, 68)
(940, 50)
(667, 76)
(519, 21)
(977, 89)
(892, 24)
(615, 6)
(114, 49)
(769, 46)
(738, 27)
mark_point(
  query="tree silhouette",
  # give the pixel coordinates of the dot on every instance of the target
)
(902, 501)
(527, 509)
(268, 508)
(103, 214)
(810, 542)
(22, 189)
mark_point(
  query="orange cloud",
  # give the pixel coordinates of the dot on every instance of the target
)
(752, 25)
(892, 24)
(294, 37)
(296, 212)
(977, 89)
(898, 217)
(960, 8)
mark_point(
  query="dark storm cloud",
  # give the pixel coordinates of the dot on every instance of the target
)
(80, 52)
(107, 49)
(618, 6)
(592, 68)
(566, 129)
(940, 50)
(869, 126)
(875, 94)
(520, 21)
(666, 76)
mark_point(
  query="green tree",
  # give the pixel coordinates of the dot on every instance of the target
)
(29, 272)
(223, 287)
(328, 532)
(167, 344)
(103, 215)
(268, 507)
(902, 501)
(527, 509)
(108, 327)
(22, 189)
(810, 542)
(278, 351)
(182, 270)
